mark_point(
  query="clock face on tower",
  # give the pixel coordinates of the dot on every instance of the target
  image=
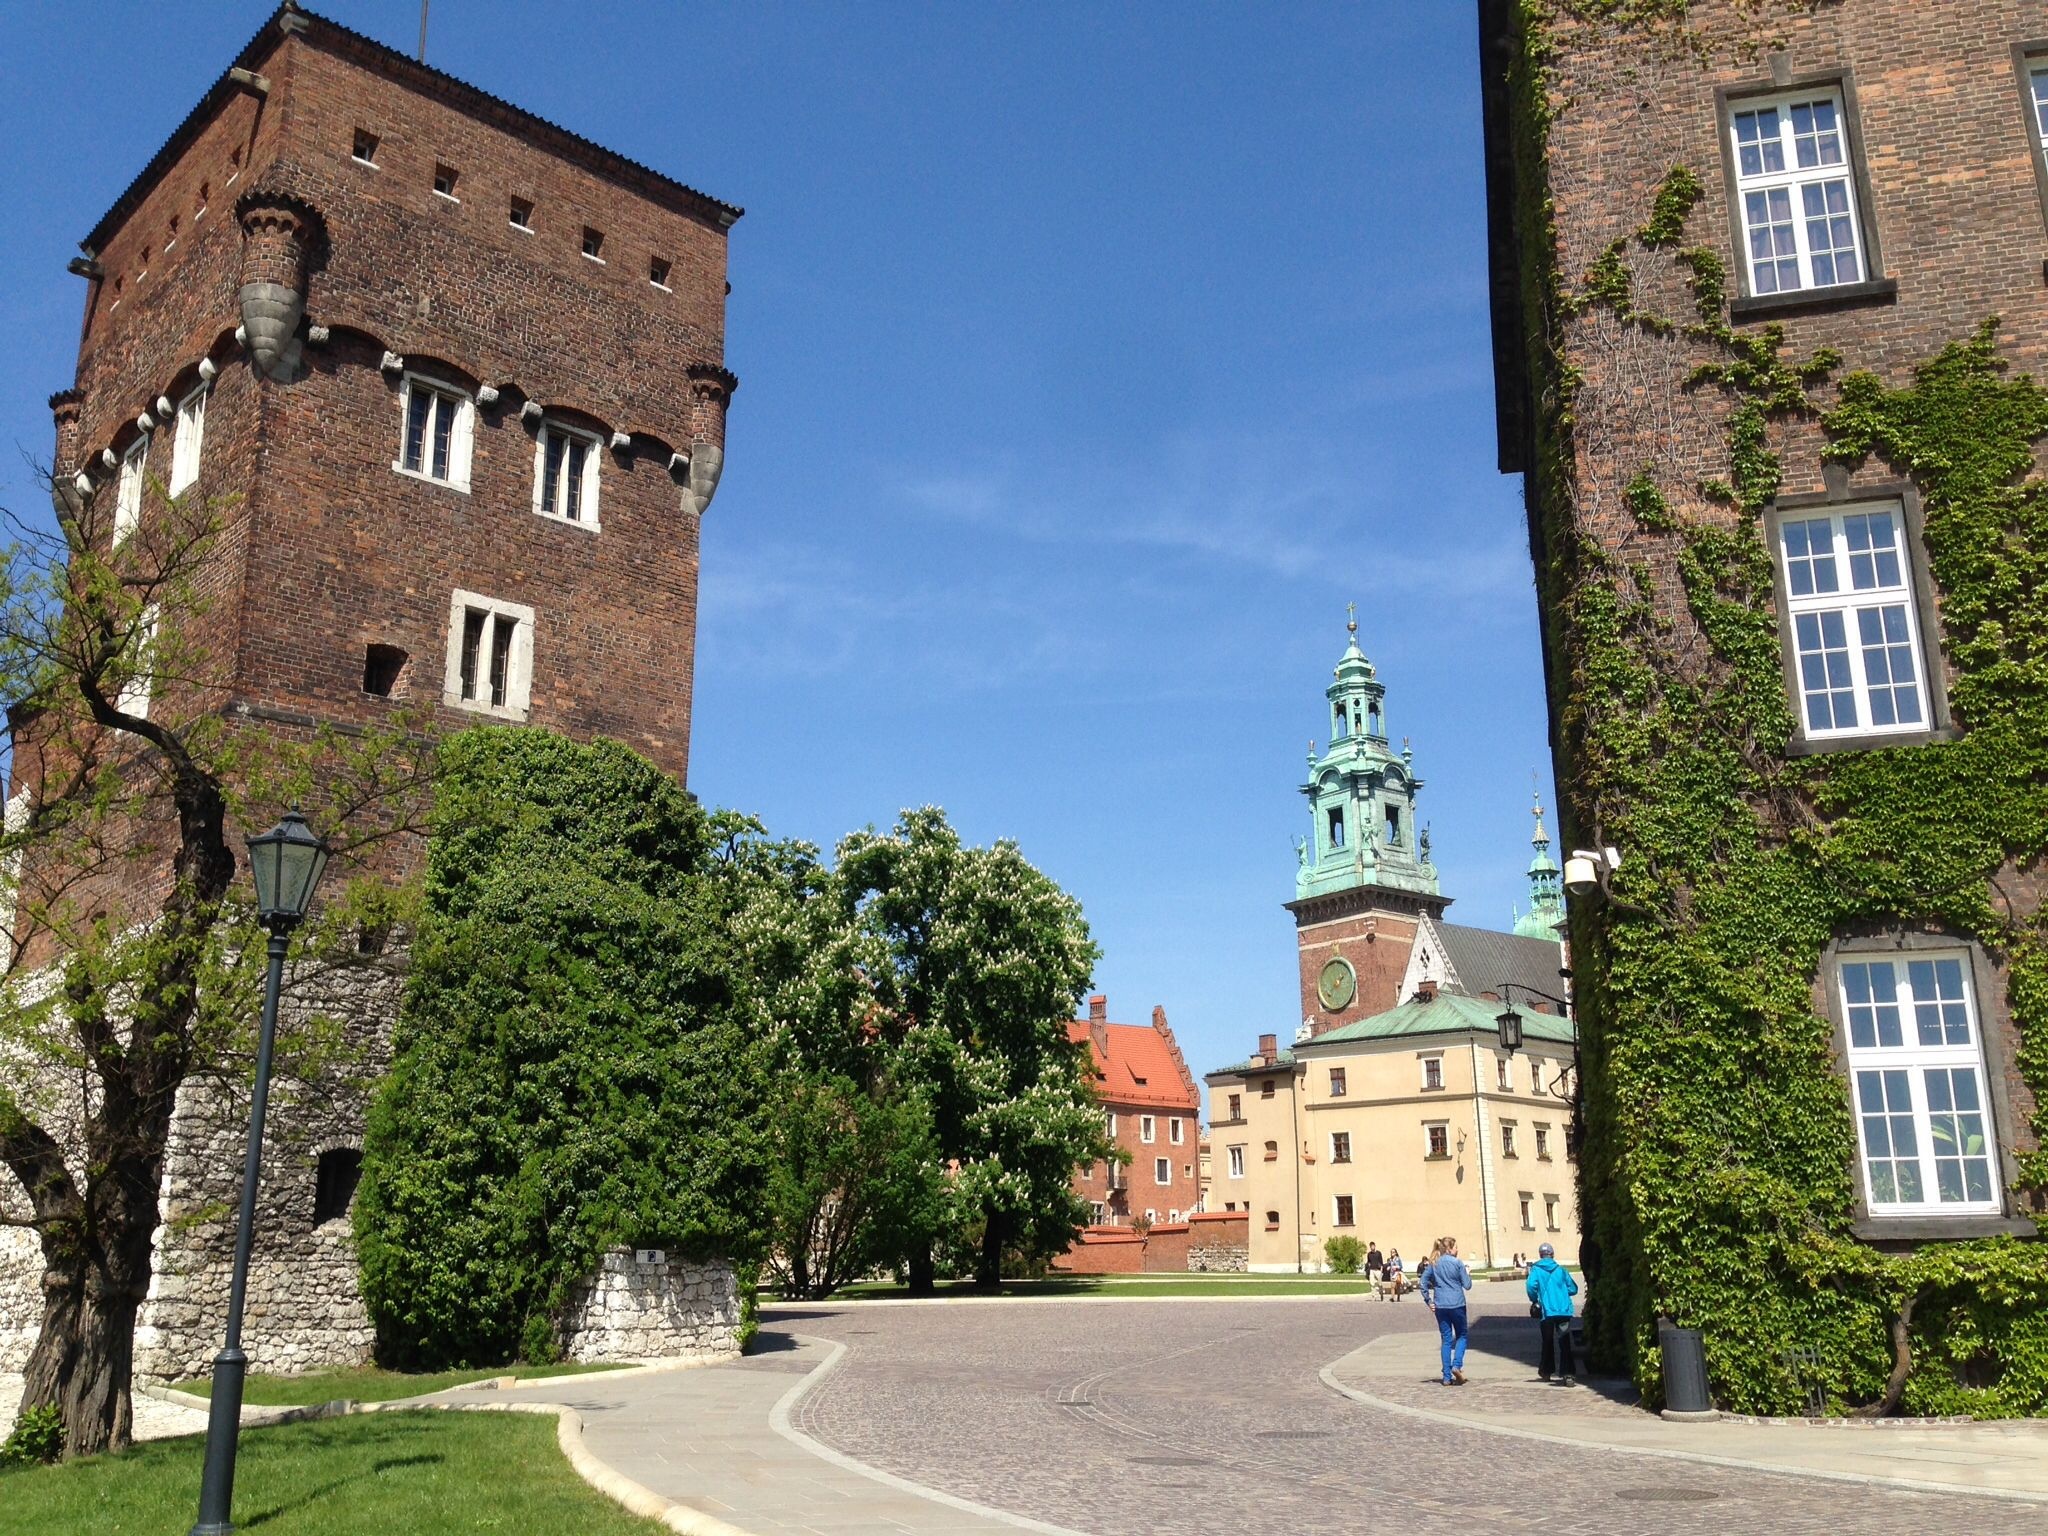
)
(1337, 986)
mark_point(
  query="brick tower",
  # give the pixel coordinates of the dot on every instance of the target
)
(1365, 880)
(462, 369)
(455, 376)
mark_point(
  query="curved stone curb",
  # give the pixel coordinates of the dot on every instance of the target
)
(254, 1415)
(779, 1421)
(1328, 1376)
(859, 1303)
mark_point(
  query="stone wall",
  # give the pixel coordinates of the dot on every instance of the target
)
(1220, 1242)
(667, 1310)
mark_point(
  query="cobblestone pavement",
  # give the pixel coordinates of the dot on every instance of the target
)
(1127, 1418)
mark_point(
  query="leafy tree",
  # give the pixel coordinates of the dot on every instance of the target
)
(581, 1060)
(975, 962)
(132, 966)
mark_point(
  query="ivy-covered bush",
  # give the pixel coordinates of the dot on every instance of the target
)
(1719, 1165)
(577, 1061)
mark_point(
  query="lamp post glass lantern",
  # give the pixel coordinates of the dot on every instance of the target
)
(287, 862)
(1509, 1023)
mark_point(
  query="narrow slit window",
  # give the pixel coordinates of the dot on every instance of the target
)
(382, 665)
(444, 182)
(502, 632)
(334, 1183)
(593, 243)
(657, 272)
(1393, 826)
(365, 150)
(521, 214)
(1336, 826)
(474, 621)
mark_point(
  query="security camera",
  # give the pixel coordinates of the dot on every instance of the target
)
(1583, 869)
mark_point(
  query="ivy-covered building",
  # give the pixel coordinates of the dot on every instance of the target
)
(1769, 319)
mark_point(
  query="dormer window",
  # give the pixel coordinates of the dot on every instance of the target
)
(1336, 826)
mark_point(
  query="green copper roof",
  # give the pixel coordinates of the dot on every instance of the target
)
(1253, 1067)
(1448, 1014)
(1546, 889)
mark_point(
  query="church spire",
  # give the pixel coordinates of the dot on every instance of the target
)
(1546, 888)
(1361, 793)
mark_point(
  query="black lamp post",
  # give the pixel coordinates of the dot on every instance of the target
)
(287, 862)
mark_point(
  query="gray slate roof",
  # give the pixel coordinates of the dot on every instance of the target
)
(1482, 959)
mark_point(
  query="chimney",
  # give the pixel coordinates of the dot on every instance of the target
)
(1098, 1008)
(1425, 992)
(1269, 1048)
(1098, 1024)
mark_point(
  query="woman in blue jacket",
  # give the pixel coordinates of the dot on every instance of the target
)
(1551, 1289)
(1446, 1283)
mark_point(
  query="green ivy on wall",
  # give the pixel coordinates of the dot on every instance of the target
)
(1720, 1153)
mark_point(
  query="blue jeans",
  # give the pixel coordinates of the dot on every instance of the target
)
(1450, 1327)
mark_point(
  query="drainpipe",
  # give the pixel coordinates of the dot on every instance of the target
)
(1295, 1077)
(1486, 1205)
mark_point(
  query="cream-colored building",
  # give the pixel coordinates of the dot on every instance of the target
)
(1398, 1129)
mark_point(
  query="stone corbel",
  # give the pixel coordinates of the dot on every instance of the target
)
(531, 413)
(391, 362)
(147, 422)
(279, 235)
(487, 395)
(208, 370)
(622, 442)
(701, 474)
(318, 335)
(163, 407)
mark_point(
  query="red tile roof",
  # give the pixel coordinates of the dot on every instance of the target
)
(1139, 1067)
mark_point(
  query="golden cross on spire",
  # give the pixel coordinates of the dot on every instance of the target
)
(1352, 609)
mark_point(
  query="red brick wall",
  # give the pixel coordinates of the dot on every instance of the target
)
(1144, 1193)
(1117, 1251)
(1377, 945)
(1955, 205)
(324, 548)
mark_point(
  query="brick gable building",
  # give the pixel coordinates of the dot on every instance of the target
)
(456, 377)
(1154, 1112)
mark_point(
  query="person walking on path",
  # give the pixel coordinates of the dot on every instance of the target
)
(1446, 1286)
(1551, 1289)
(1392, 1274)
(1375, 1261)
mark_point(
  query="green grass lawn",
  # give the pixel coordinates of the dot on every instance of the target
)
(425, 1474)
(370, 1383)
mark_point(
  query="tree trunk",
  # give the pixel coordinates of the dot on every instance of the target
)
(988, 1267)
(923, 1275)
(83, 1362)
(1902, 1364)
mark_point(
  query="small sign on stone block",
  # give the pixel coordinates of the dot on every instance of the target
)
(651, 1255)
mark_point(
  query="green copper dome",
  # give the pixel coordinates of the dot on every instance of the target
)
(1546, 889)
(1361, 794)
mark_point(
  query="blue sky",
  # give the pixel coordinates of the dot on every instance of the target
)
(1092, 358)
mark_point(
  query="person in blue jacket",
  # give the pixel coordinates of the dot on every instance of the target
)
(1446, 1283)
(1551, 1289)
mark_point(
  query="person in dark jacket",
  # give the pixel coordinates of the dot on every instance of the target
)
(1551, 1289)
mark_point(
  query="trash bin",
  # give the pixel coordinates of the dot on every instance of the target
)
(1685, 1370)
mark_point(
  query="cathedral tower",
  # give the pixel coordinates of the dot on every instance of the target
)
(1546, 889)
(1364, 877)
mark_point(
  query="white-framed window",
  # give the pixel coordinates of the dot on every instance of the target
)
(437, 423)
(1109, 1124)
(1528, 1204)
(490, 656)
(1151, 1215)
(1101, 1211)
(1173, 1130)
(1507, 1139)
(1848, 586)
(1797, 193)
(2037, 94)
(1500, 1074)
(128, 490)
(1340, 1146)
(186, 433)
(1917, 1076)
(1341, 1214)
(135, 694)
(565, 474)
(1147, 1128)
(1543, 1142)
(1162, 1170)
(1432, 1073)
(1535, 1074)
(1436, 1136)
(1550, 1213)
(1236, 1162)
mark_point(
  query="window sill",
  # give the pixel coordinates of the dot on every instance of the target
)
(447, 197)
(1942, 1228)
(461, 486)
(1436, 1157)
(1869, 741)
(494, 711)
(1882, 290)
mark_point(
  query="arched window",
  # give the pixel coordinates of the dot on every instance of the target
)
(334, 1182)
(1343, 719)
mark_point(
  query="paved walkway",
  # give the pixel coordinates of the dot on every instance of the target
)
(718, 1439)
(1401, 1372)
